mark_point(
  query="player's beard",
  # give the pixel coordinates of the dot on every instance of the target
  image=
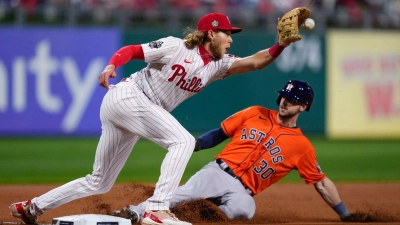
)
(215, 50)
(288, 114)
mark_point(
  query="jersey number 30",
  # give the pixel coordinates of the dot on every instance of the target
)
(263, 170)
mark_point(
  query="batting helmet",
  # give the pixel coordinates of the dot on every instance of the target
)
(298, 91)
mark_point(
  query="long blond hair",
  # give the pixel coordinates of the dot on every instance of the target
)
(193, 38)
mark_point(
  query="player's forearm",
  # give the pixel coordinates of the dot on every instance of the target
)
(265, 57)
(210, 139)
(327, 189)
(256, 61)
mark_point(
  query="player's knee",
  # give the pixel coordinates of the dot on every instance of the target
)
(239, 213)
(97, 185)
(243, 208)
(244, 213)
(186, 141)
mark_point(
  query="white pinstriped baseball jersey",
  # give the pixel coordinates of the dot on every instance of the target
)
(175, 73)
(139, 107)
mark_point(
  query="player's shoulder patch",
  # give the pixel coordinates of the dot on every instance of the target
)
(155, 44)
(319, 168)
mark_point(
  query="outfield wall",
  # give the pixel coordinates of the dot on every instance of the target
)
(363, 94)
(48, 79)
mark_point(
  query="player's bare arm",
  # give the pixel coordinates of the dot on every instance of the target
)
(259, 60)
(327, 189)
(254, 62)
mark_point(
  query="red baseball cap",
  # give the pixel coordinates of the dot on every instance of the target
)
(216, 21)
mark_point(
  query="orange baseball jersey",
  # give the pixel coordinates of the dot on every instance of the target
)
(262, 152)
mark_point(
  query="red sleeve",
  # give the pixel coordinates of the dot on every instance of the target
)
(126, 54)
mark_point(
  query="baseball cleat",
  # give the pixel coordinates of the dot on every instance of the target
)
(128, 213)
(21, 210)
(164, 217)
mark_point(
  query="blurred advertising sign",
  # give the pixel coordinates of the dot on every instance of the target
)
(48, 79)
(363, 96)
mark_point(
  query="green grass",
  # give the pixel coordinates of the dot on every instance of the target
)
(357, 160)
(59, 160)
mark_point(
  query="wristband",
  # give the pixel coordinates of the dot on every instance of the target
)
(341, 210)
(276, 50)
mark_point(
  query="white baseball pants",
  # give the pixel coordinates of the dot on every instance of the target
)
(127, 115)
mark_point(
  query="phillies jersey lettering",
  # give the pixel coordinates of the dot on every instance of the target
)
(262, 152)
(175, 73)
(193, 85)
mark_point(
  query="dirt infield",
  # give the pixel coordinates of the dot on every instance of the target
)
(281, 203)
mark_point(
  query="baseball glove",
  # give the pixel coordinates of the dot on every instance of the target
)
(289, 24)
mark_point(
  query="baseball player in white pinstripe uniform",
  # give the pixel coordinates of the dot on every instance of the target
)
(140, 106)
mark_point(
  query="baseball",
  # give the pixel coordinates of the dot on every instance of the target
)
(309, 24)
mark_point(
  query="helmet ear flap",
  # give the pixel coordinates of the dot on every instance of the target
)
(278, 100)
(308, 107)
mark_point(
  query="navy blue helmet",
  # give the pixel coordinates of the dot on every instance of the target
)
(298, 91)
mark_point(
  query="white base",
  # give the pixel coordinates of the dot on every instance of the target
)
(90, 219)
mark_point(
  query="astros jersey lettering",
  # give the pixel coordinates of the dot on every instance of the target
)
(262, 151)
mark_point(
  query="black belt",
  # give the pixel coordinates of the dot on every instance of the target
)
(229, 171)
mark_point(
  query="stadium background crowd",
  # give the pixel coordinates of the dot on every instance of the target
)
(176, 14)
